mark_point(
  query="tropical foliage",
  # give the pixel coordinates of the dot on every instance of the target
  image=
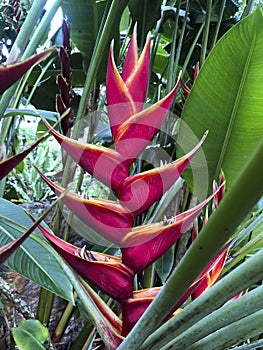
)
(157, 114)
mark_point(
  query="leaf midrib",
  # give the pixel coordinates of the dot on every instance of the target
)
(234, 111)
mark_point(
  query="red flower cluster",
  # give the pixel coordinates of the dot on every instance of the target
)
(133, 127)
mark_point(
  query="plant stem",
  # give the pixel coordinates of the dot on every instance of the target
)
(85, 337)
(148, 277)
(171, 65)
(91, 75)
(222, 317)
(246, 190)
(180, 43)
(241, 330)
(41, 28)
(220, 16)
(18, 47)
(206, 32)
(248, 8)
(63, 321)
(22, 43)
(190, 52)
(45, 305)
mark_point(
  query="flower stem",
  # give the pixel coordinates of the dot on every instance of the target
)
(236, 205)
(206, 32)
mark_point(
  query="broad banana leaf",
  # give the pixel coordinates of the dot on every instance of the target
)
(227, 99)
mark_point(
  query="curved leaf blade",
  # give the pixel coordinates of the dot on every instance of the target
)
(227, 99)
(31, 260)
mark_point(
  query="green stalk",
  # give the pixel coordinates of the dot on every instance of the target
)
(148, 277)
(226, 315)
(45, 305)
(180, 43)
(246, 250)
(190, 52)
(246, 190)
(41, 29)
(96, 317)
(258, 344)
(245, 275)
(206, 32)
(95, 62)
(19, 46)
(218, 23)
(22, 39)
(63, 321)
(85, 338)
(22, 43)
(248, 327)
(91, 75)
(171, 65)
(248, 8)
(43, 71)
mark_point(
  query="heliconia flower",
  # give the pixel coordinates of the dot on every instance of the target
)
(10, 163)
(63, 100)
(126, 94)
(145, 244)
(108, 218)
(11, 73)
(105, 164)
(218, 196)
(133, 308)
(105, 271)
(215, 270)
(236, 297)
(137, 131)
(132, 127)
(107, 312)
(107, 323)
(140, 191)
(216, 265)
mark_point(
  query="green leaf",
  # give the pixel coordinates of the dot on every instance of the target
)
(31, 260)
(30, 335)
(85, 18)
(227, 99)
(164, 264)
(161, 61)
(145, 14)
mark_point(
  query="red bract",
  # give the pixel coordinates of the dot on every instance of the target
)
(105, 164)
(99, 269)
(133, 127)
(11, 73)
(214, 273)
(8, 164)
(149, 242)
(133, 308)
(63, 100)
(126, 94)
(7, 250)
(140, 191)
(109, 218)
